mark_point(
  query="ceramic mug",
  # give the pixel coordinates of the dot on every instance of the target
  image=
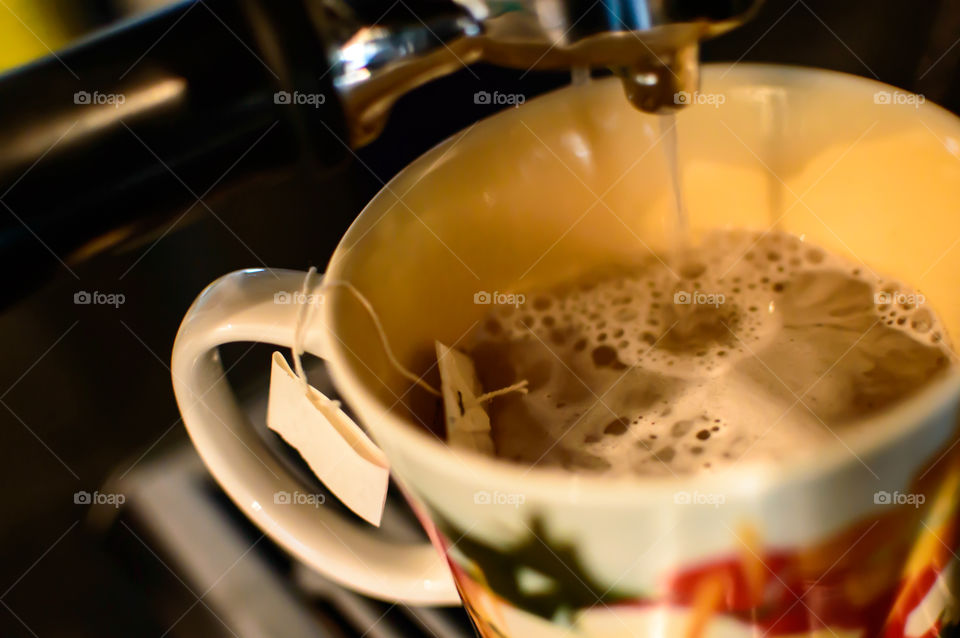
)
(829, 546)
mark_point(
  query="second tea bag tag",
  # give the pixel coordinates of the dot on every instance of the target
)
(338, 452)
(468, 425)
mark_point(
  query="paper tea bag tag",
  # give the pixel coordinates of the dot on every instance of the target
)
(338, 452)
(468, 425)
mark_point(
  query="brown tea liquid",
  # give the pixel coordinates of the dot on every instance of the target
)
(764, 346)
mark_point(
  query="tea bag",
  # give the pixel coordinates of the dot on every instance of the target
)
(468, 424)
(338, 452)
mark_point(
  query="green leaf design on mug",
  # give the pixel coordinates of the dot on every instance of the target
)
(538, 574)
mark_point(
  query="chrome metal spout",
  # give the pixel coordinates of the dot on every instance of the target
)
(651, 44)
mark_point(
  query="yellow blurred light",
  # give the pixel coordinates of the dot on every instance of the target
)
(30, 29)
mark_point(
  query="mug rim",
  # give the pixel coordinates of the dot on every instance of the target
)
(871, 434)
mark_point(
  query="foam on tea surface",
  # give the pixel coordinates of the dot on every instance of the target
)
(760, 347)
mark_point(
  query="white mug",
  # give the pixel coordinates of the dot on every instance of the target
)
(810, 548)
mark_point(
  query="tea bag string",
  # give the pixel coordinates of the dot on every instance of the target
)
(519, 386)
(305, 313)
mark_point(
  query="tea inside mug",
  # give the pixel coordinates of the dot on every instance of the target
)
(743, 347)
(748, 347)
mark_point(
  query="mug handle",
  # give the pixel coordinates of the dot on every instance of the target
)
(241, 307)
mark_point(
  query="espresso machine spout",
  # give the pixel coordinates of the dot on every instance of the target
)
(85, 133)
(651, 45)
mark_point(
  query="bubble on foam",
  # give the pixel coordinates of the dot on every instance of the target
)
(623, 362)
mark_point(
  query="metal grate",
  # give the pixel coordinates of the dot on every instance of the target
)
(248, 587)
(191, 532)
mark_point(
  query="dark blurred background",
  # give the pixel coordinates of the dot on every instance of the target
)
(85, 393)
